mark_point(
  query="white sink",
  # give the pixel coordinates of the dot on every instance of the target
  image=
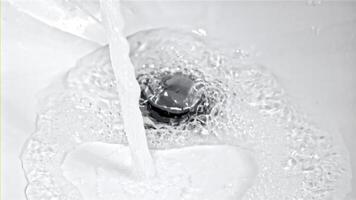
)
(310, 47)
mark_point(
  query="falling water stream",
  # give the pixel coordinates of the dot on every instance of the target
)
(128, 88)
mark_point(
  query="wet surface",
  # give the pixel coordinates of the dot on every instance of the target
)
(329, 56)
(247, 108)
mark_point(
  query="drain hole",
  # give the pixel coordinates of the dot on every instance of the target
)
(172, 99)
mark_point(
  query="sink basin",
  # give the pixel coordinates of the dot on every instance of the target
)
(309, 46)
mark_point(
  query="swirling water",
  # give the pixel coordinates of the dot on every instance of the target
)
(242, 105)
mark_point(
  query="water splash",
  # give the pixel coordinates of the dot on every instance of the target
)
(247, 108)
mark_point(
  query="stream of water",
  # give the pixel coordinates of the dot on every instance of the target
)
(128, 88)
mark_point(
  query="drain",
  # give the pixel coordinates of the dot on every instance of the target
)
(173, 98)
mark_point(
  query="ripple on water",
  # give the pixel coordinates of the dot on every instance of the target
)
(243, 106)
